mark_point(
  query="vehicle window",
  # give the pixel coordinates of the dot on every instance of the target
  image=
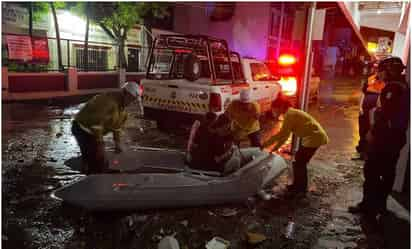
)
(221, 61)
(161, 62)
(237, 70)
(260, 72)
(237, 67)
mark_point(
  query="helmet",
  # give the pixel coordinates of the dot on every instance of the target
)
(392, 65)
(245, 96)
(133, 89)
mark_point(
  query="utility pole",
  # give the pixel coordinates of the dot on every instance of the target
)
(304, 91)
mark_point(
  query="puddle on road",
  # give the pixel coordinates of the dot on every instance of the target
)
(32, 219)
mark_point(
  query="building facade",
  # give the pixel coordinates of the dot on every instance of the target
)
(102, 51)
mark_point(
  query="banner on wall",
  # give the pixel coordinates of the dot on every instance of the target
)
(26, 49)
(40, 48)
(19, 47)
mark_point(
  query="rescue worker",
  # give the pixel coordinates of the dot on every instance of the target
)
(303, 126)
(102, 114)
(371, 90)
(213, 147)
(244, 115)
(386, 138)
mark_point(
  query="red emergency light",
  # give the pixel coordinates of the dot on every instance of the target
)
(286, 60)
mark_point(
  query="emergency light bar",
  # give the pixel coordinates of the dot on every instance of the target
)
(286, 60)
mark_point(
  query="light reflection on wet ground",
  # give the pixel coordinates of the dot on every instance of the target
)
(39, 152)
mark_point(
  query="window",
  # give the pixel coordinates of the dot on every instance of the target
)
(260, 72)
(169, 64)
(221, 61)
(97, 58)
(161, 63)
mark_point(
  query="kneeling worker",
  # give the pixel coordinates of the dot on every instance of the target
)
(104, 113)
(303, 126)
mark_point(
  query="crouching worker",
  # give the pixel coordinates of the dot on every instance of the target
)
(104, 113)
(312, 137)
(213, 148)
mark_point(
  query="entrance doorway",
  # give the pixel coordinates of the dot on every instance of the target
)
(132, 60)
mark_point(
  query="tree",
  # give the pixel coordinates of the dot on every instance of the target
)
(53, 7)
(85, 10)
(117, 18)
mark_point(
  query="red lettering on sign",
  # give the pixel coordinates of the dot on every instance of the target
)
(40, 50)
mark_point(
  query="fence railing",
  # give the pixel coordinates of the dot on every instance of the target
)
(102, 56)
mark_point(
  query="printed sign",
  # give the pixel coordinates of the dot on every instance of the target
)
(15, 16)
(40, 50)
(22, 48)
(19, 47)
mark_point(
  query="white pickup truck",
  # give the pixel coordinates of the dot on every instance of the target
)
(189, 75)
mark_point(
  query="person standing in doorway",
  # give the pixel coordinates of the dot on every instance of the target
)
(310, 132)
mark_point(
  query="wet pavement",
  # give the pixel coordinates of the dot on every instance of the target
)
(39, 155)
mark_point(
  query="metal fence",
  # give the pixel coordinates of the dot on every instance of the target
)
(101, 57)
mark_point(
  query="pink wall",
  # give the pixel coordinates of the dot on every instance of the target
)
(246, 32)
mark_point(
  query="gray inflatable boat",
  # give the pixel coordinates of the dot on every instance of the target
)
(150, 178)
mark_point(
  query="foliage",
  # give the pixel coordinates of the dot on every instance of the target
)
(40, 8)
(120, 17)
(117, 18)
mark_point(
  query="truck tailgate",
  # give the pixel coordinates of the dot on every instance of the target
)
(176, 95)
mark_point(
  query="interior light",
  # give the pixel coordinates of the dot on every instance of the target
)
(379, 12)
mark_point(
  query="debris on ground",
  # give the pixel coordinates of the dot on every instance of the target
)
(264, 195)
(217, 243)
(290, 229)
(227, 212)
(168, 242)
(255, 238)
(184, 223)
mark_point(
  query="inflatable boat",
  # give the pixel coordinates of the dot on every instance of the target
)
(150, 178)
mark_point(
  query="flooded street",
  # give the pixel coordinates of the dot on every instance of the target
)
(39, 155)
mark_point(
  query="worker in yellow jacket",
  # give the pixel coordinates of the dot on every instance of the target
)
(303, 126)
(244, 116)
(104, 113)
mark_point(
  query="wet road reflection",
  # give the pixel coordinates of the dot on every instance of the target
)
(39, 154)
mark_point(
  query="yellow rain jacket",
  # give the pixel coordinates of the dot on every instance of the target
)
(302, 125)
(245, 121)
(103, 114)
